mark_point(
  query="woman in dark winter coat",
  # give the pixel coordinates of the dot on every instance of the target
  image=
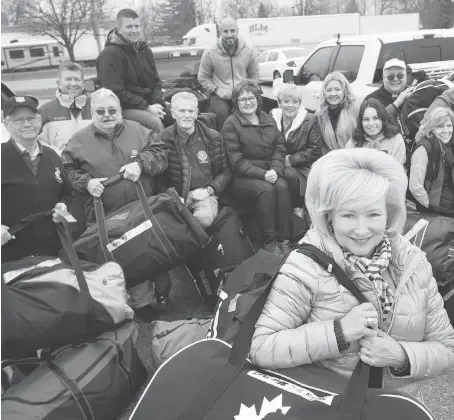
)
(432, 163)
(256, 153)
(302, 140)
(337, 113)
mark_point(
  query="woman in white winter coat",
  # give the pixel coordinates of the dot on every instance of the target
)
(356, 200)
(375, 131)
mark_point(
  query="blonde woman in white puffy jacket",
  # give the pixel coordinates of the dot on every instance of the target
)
(356, 200)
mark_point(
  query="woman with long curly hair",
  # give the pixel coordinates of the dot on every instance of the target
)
(337, 114)
(375, 131)
(432, 163)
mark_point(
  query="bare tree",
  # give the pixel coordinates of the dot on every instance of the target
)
(383, 7)
(150, 20)
(203, 10)
(14, 10)
(312, 7)
(63, 20)
(240, 9)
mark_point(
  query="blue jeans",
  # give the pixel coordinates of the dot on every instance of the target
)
(145, 118)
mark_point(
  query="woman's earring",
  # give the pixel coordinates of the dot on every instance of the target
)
(387, 224)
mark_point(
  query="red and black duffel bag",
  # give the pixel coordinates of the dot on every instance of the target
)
(147, 237)
(212, 380)
(48, 302)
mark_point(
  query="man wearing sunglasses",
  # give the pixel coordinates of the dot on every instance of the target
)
(33, 181)
(107, 147)
(393, 92)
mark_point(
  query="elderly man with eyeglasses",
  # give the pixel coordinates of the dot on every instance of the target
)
(107, 147)
(392, 95)
(33, 181)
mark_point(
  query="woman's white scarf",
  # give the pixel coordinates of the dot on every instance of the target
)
(277, 114)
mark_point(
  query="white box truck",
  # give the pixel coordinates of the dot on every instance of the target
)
(265, 33)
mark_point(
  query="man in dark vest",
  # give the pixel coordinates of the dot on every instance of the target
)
(33, 181)
(198, 167)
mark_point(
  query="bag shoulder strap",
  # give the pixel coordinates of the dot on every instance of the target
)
(375, 377)
(357, 389)
(331, 266)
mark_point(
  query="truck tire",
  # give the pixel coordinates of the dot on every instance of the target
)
(276, 75)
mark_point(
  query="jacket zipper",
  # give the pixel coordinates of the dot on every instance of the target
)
(231, 68)
(398, 292)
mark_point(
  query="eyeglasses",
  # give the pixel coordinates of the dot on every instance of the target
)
(102, 111)
(399, 76)
(244, 101)
(22, 121)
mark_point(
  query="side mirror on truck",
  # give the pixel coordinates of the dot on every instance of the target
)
(288, 76)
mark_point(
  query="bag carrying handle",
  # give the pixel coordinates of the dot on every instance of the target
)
(101, 220)
(65, 239)
(29, 221)
(355, 394)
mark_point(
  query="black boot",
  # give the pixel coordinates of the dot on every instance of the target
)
(147, 313)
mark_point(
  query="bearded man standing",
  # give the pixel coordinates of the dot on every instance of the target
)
(223, 66)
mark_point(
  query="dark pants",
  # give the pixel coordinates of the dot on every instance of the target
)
(296, 185)
(222, 108)
(272, 204)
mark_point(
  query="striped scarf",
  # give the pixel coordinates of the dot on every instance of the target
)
(373, 269)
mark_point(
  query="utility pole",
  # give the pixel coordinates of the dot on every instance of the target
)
(94, 25)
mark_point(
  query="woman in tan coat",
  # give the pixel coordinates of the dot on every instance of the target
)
(356, 200)
(337, 114)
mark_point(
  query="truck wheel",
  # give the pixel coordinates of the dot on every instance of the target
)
(276, 75)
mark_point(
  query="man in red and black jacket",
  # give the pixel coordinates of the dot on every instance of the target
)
(33, 181)
(126, 66)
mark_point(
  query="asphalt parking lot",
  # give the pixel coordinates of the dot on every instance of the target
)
(439, 392)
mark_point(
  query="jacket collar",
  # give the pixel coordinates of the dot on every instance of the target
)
(117, 130)
(67, 100)
(376, 141)
(241, 45)
(113, 37)
(402, 252)
(264, 119)
(276, 113)
(172, 133)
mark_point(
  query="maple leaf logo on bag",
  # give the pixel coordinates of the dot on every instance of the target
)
(270, 410)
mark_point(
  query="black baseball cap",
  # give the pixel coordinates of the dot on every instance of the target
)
(16, 101)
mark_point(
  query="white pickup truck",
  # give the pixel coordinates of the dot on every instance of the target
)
(361, 59)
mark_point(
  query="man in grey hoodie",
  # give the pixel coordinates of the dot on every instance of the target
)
(223, 66)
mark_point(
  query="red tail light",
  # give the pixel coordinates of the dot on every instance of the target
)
(291, 64)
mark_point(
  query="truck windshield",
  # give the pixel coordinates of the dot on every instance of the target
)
(416, 51)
